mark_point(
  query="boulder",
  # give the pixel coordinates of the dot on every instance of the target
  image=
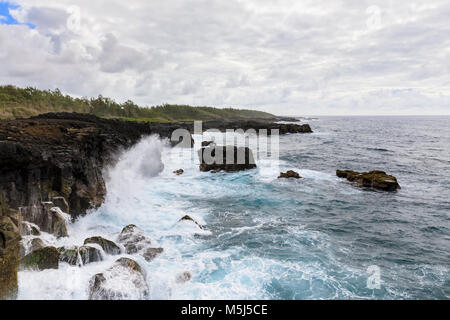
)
(179, 172)
(151, 253)
(289, 174)
(125, 280)
(41, 259)
(134, 239)
(226, 158)
(80, 255)
(89, 254)
(374, 179)
(107, 245)
(47, 217)
(69, 255)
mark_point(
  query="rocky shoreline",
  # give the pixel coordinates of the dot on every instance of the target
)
(51, 172)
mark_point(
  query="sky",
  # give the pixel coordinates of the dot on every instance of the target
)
(287, 57)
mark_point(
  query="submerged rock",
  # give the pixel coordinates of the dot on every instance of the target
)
(226, 158)
(107, 245)
(179, 172)
(374, 179)
(289, 174)
(41, 259)
(47, 217)
(123, 281)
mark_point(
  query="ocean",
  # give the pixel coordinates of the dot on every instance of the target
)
(318, 237)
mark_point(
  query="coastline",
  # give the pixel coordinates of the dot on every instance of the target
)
(58, 158)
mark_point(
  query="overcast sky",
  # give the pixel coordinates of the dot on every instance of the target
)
(282, 56)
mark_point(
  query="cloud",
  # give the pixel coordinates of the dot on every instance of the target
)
(287, 56)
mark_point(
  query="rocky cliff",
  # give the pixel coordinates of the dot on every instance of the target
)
(56, 160)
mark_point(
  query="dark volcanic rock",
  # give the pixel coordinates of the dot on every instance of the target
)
(62, 155)
(41, 259)
(57, 156)
(123, 281)
(107, 245)
(226, 158)
(374, 179)
(289, 174)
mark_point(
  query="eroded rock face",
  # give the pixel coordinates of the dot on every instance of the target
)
(56, 156)
(226, 158)
(123, 281)
(289, 174)
(48, 217)
(374, 179)
(107, 245)
(41, 259)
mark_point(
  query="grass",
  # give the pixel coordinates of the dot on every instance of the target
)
(26, 102)
(139, 119)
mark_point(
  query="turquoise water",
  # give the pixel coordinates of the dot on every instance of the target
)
(266, 238)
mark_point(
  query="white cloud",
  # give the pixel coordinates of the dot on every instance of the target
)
(285, 56)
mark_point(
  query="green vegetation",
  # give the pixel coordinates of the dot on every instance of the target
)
(21, 103)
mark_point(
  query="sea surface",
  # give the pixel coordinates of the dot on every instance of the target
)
(319, 237)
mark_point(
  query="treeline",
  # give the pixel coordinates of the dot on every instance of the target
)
(25, 102)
